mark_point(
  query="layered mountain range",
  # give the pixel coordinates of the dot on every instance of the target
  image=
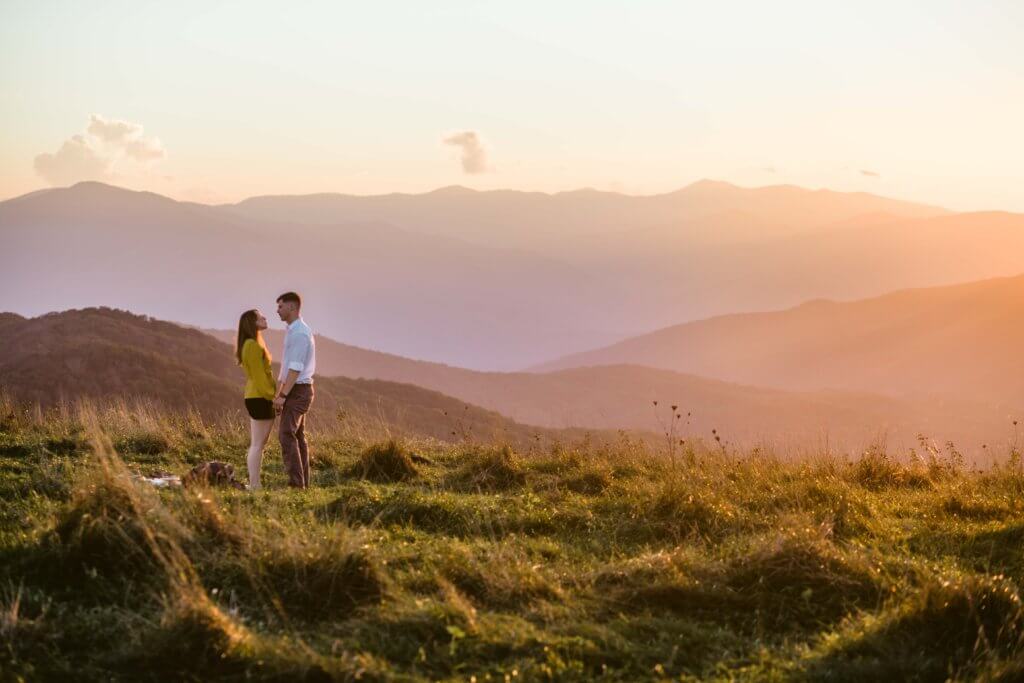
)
(488, 280)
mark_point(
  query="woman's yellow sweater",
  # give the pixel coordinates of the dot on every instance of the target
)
(256, 363)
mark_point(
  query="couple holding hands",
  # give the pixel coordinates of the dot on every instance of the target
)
(289, 398)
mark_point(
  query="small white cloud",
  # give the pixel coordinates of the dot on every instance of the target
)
(76, 160)
(93, 154)
(870, 174)
(474, 154)
(113, 131)
(145, 149)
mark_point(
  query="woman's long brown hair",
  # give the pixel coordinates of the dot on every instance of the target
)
(247, 330)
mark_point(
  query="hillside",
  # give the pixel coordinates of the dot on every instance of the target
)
(570, 563)
(621, 397)
(110, 356)
(962, 341)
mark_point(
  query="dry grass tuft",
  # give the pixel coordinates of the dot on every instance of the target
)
(114, 527)
(386, 462)
(194, 634)
(318, 578)
(488, 469)
(876, 471)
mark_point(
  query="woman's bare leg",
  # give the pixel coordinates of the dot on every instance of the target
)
(259, 433)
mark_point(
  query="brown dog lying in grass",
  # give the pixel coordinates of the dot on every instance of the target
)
(212, 473)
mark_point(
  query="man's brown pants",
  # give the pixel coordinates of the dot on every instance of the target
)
(292, 433)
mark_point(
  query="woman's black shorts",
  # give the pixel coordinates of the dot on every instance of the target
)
(260, 408)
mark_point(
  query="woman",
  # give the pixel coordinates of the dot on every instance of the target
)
(254, 358)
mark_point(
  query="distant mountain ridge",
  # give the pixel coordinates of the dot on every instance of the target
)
(581, 270)
(961, 341)
(512, 218)
(101, 243)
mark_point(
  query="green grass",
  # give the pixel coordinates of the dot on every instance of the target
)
(576, 562)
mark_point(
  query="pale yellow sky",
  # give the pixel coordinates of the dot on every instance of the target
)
(919, 100)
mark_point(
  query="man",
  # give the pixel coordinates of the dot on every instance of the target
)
(295, 389)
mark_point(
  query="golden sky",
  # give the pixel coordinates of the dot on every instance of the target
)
(216, 101)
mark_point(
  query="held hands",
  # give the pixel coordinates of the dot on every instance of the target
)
(278, 404)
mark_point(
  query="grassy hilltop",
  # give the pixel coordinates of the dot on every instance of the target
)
(564, 562)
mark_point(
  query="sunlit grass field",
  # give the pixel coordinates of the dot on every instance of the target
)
(477, 562)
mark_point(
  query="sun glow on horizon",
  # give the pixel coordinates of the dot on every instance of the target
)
(215, 102)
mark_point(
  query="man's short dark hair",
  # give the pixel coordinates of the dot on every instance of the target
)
(291, 296)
